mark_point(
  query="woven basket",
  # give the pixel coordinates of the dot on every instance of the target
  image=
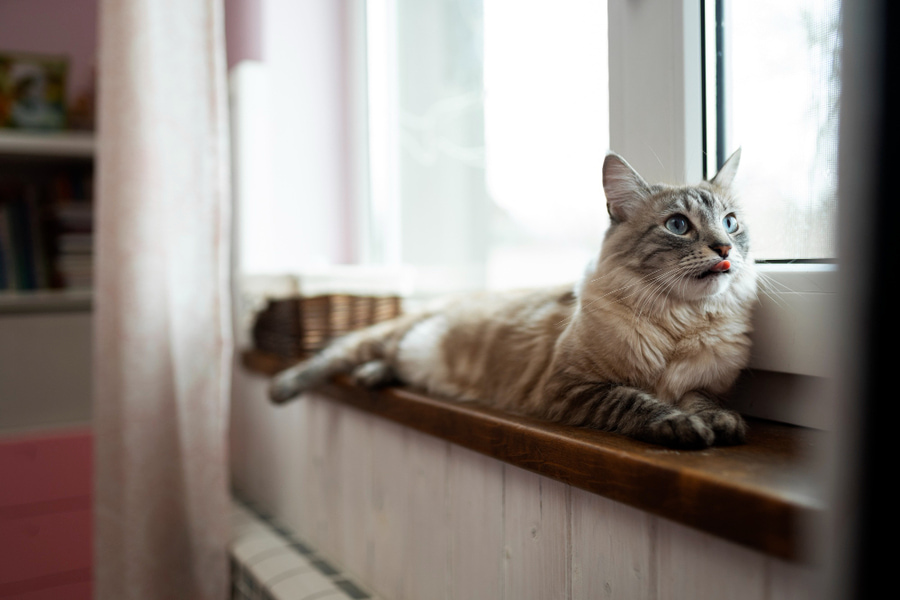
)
(296, 328)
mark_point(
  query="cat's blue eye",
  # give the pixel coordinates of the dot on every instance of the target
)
(678, 225)
(730, 223)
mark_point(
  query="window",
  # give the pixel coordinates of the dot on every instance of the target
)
(487, 130)
(773, 87)
(489, 127)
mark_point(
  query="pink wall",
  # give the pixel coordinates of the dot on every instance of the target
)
(66, 27)
(243, 30)
(69, 27)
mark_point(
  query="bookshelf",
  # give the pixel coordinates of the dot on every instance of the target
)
(45, 330)
(67, 144)
(46, 221)
(39, 301)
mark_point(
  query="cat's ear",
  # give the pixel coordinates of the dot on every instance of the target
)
(726, 174)
(625, 189)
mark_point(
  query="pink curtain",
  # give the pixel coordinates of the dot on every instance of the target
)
(162, 315)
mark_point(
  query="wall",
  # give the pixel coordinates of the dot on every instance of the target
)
(416, 517)
(45, 370)
(67, 27)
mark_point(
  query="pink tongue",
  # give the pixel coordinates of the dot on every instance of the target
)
(722, 266)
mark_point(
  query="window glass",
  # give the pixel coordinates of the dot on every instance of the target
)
(501, 131)
(778, 100)
(547, 132)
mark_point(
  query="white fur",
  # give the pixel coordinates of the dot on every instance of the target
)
(420, 357)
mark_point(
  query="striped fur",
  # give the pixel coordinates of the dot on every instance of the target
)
(644, 346)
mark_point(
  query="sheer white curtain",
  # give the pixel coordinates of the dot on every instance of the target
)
(162, 330)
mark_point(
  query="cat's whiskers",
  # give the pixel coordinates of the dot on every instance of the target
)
(584, 309)
(649, 284)
(773, 291)
(682, 280)
(648, 292)
(664, 285)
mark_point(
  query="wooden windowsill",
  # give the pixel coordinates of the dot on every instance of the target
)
(762, 494)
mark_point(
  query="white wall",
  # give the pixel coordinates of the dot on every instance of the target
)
(45, 370)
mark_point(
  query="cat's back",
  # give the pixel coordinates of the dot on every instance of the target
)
(493, 347)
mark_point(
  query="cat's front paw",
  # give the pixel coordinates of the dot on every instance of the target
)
(681, 430)
(728, 426)
(375, 373)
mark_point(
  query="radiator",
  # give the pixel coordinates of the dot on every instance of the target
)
(269, 562)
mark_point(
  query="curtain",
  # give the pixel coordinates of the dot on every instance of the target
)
(162, 349)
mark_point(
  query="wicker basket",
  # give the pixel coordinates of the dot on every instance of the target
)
(295, 328)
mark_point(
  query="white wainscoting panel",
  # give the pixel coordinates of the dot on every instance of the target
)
(412, 517)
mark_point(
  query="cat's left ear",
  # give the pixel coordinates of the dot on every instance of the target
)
(726, 174)
(624, 188)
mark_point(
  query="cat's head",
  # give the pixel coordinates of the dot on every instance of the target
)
(690, 242)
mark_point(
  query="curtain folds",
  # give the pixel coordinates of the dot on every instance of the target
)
(162, 349)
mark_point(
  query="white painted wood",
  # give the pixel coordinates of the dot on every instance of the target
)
(536, 536)
(389, 512)
(612, 549)
(788, 581)
(43, 301)
(268, 447)
(428, 540)
(323, 490)
(475, 506)
(693, 564)
(61, 144)
(354, 462)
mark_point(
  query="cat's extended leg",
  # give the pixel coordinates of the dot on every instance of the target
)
(295, 380)
(632, 412)
(374, 373)
(728, 426)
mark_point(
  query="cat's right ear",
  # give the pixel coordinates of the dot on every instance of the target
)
(624, 188)
(726, 174)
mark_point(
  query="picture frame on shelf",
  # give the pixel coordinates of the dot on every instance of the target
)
(33, 91)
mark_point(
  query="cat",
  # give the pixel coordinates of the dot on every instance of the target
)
(645, 345)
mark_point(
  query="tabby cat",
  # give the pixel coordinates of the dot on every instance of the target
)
(645, 345)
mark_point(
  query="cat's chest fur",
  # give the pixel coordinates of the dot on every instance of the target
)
(668, 353)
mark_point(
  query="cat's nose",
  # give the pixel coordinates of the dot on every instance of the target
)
(721, 249)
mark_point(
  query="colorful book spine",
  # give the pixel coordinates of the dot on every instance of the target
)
(46, 233)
